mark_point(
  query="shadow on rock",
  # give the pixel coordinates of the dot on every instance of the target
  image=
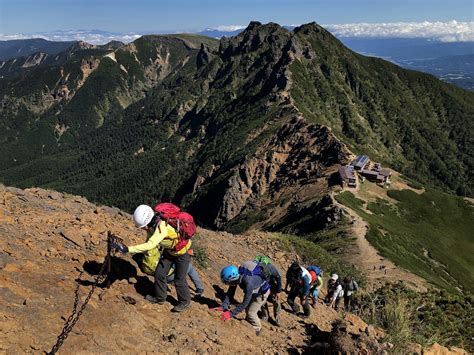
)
(318, 342)
(121, 270)
(334, 180)
(220, 293)
(144, 286)
(211, 303)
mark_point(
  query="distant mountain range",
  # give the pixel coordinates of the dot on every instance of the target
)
(24, 47)
(411, 53)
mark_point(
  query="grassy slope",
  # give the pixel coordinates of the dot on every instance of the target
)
(430, 234)
(312, 254)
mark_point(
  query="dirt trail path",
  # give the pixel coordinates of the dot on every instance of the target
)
(377, 268)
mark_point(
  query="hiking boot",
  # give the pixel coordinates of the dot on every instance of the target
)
(277, 320)
(199, 292)
(181, 307)
(153, 299)
(258, 331)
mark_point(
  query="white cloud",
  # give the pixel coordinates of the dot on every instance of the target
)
(451, 31)
(228, 28)
(90, 36)
(12, 37)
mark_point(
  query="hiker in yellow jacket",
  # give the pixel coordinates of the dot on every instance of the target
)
(162, 234)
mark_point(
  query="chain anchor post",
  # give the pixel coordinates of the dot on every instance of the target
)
(110, 236)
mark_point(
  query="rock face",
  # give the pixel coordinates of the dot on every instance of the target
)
(47, 239)
(295, 162)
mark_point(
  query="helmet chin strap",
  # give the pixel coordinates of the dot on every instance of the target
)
(154, 221)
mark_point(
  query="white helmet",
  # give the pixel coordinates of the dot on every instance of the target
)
(143, 215)
(334, 277)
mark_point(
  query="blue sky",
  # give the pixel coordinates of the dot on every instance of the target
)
(29, 16)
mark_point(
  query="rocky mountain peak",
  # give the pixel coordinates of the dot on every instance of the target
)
(112, 45)
(84, 45)
(310, 28)
(204, 56)
(256, 37)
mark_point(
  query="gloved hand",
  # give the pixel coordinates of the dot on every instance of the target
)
(226, 315)
(119, 246)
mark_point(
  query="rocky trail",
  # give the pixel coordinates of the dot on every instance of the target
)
(378, 269)
(47, 239)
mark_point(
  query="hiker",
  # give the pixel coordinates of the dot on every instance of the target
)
(249, 277)
(335, 292)
(160, 233)
(274, 279)
(350, 286)
(316, 284)
(299, 281)
(193, 275)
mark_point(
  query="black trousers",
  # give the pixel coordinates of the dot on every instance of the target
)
(294, 292)
(348, 302)
(181, 263)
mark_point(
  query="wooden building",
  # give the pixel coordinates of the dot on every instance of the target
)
(347, 176)
(382, 176)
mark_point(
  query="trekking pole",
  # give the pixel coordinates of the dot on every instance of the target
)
(109, 258)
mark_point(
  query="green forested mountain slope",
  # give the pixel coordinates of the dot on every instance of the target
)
(24, 47)
(231, 128)
(408, 119)
(51, 106)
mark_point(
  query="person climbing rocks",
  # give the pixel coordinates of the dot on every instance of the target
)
(249, 277)
(350, 286)
(193, 275)
(299, 281)
(160, 233)
(274, 279)
(316, 284)
(335, 292)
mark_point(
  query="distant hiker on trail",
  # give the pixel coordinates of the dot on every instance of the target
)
(316, 283)
(350, 286)
(335, 292)
(249, 277)
(299, 281)
(160, 233)
(274, 279)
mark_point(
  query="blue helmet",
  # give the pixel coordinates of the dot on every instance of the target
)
(230, 273)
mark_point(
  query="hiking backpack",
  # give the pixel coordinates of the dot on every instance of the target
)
(182, 222)
(259, 270)
(314, 268)
(294, 273)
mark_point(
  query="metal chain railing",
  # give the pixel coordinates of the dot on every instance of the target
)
(101, 277)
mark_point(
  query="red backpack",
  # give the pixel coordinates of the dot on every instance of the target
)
(181, 221)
